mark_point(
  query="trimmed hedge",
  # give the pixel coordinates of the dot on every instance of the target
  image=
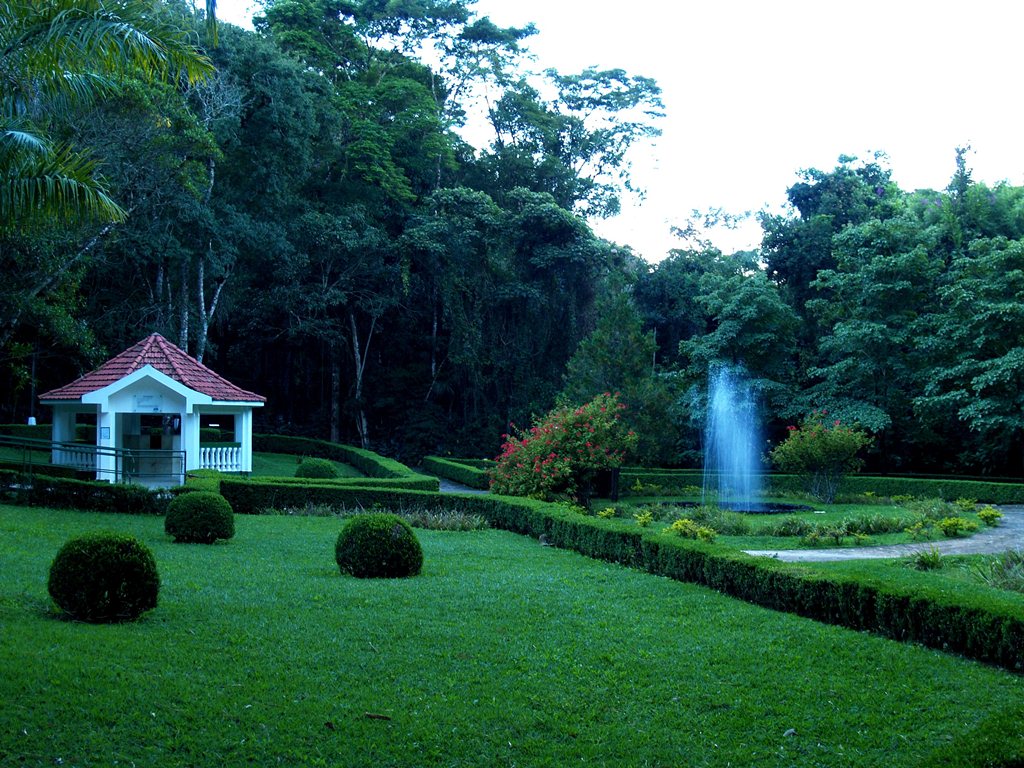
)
(29, 431)
(63, 493)
(367, 462)
(987, 491)
(199, 517)
(53, 470)
(469, 472)
(378, 545)
(312, 467)
(104, 577)
(256, 495)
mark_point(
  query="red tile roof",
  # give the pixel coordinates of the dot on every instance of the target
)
(158, 352)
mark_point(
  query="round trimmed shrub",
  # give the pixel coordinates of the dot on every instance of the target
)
(319, 469)
(103, 578)
(200, 517)
(378, 545)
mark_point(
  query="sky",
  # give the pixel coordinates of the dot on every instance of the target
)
(754, 92)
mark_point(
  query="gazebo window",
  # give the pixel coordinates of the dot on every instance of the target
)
(216, 428)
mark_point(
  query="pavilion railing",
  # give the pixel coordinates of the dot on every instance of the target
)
(225, 458)
(119, 465)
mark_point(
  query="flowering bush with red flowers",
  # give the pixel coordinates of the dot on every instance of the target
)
(562, 454)
(822, 451)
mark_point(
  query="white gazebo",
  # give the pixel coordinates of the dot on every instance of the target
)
(149, 405)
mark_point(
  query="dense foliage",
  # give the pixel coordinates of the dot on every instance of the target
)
(562, 454)
(378, 545)
(104, 577)
(302, 212)
(199, 517)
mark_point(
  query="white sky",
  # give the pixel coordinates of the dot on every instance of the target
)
(756, 91)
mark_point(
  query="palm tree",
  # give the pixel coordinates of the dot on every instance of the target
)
(55, 55)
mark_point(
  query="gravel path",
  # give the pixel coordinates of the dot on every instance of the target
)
(1009, 534)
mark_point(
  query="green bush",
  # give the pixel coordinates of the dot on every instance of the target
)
(1004, 571)
(562, 455)
(722, 521)
(318, 469)
(872, 525)
(200, 517)
(378, 545)
(104, 577)
(821, 452)
(689, 529)
(990, 516)
(787, 526)
(955, 526)
(927, 559)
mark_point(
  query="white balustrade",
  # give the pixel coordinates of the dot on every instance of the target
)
(221, 458)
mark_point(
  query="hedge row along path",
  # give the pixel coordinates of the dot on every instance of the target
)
(1009, 534)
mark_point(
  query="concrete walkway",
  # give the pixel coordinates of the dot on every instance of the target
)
(1009, 534)
(450, 486)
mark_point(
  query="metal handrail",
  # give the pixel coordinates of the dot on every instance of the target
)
(127, 464)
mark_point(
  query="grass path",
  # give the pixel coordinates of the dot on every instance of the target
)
(502, 653)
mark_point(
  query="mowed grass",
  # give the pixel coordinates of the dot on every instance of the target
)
(502, 652)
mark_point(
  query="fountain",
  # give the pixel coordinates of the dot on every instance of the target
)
(732, 443)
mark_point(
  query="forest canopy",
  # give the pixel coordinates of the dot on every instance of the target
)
(296, 207)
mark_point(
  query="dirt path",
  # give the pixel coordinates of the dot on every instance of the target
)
(1009, 534)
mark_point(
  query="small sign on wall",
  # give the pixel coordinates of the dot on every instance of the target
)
(104, 433)
(148, 403)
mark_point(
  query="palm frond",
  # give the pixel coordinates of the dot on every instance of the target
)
(60, 184)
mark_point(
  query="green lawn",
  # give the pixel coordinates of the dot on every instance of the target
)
(284, 464)
(502, 652)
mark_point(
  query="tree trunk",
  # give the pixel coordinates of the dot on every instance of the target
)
(206, 315)
(183, 307)
(359, 357)
(335, 363)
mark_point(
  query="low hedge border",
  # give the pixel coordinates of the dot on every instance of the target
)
(987, 491)
(469, 472)
(255, 496)
(53, 470)
(38, 490)
(988, 630)
(980, 490)
(369, 463)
